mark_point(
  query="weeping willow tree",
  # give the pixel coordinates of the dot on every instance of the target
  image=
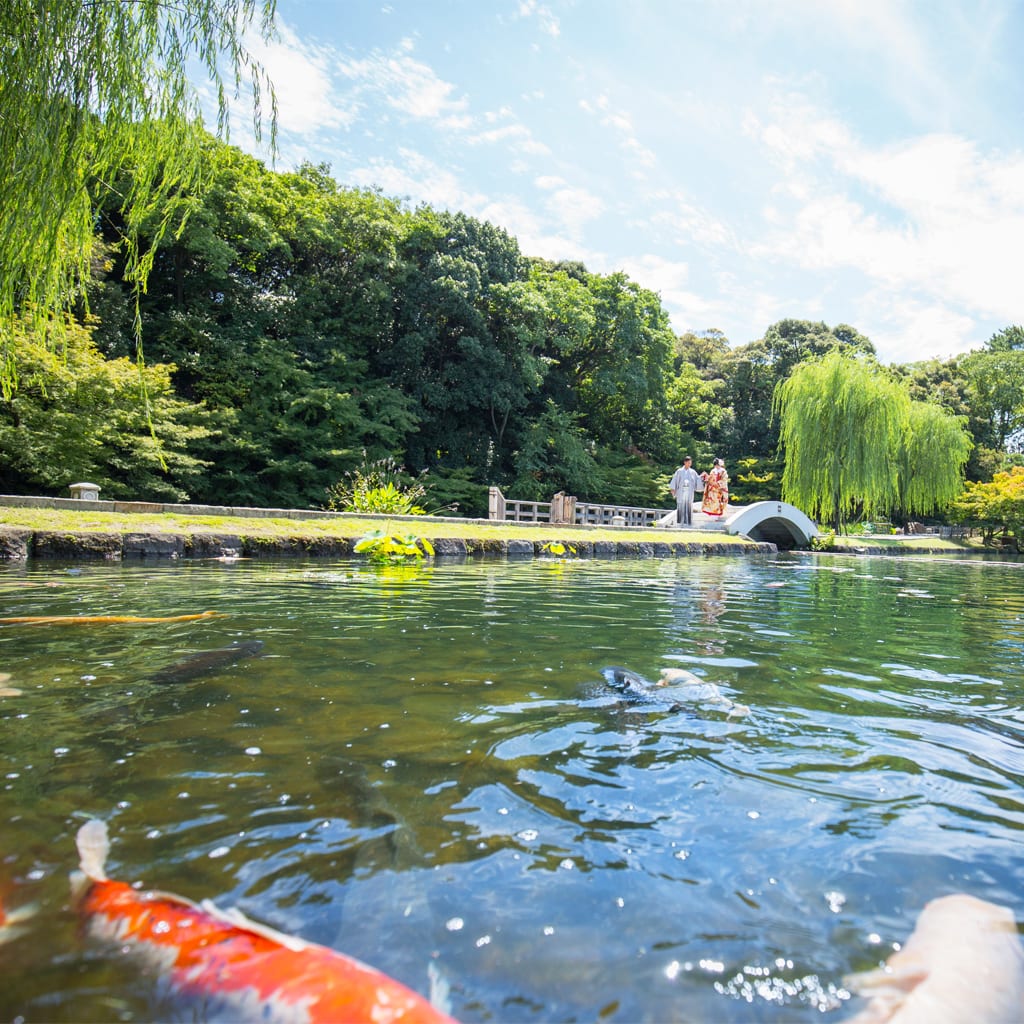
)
(855, 443)
(95, 95)
(931, 459)
(841, 420)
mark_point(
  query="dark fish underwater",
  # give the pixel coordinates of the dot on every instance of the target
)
(205, 663)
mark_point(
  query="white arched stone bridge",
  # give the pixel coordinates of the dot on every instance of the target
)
(775, 521)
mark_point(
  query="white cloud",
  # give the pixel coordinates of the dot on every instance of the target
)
(420, 180)
(620, 124)
(301, 73)
(912, 330)
(692, 223)
(408, 85)
(546, 19)
(670, 279)
(573, 208)
(930, 217)
(517, 134)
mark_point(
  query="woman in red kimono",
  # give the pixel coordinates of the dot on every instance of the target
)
(716, 490)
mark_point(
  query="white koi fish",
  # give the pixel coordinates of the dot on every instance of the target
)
(963, 964)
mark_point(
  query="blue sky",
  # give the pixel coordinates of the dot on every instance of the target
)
(850, 161)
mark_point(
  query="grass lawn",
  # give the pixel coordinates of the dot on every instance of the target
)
(352, 526)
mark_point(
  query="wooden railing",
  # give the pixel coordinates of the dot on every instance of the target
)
(564, 508)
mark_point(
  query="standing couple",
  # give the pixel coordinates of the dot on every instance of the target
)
(686, 482)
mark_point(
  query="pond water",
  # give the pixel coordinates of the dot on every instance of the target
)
(424, 767)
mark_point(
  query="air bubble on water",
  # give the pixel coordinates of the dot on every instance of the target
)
(221, 851)
(184, 795)
(484, 940)
(36, 874)
(753, 814)
(527, 835)
(61, 751)
(122, 804)
(253, 751)
(390, 763)
(835, 901)
(567, 864)
(681, 854)
(548, 930)
(88, 679)
(454, 924)
(153, 833)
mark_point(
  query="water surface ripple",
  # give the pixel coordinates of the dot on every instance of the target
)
(426, 767)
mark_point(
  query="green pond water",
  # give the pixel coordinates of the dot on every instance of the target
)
(424, 768)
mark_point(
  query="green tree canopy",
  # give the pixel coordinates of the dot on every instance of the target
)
(78, 416)
(855, 442)
(841, 417)
(755, 370)
(995, 380)
(87, 92)
(996, 505)
(932, 453)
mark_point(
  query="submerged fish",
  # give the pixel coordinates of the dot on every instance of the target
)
(963, 964)
(96, 620)
(684, 687)
(626, 680)
(12, 921)
(203, 663)
(258, 972)
(8, 691)
(675, 687)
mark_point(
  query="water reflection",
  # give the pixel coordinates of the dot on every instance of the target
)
(410, 771)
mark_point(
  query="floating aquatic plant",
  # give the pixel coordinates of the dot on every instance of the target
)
(386, 548)
(558, 549)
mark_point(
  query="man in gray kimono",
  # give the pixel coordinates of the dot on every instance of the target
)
(683, 486)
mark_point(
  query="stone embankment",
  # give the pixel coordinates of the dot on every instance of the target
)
(20, 544)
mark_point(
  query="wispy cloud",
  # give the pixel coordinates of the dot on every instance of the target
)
(301, 73)
(419, 179)
(546, 19)
(671, 280)
(932, 219)
(620, 124)
(408, 86)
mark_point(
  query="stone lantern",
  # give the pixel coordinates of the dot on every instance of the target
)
(85, 492)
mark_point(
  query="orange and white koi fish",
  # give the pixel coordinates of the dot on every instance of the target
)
(12, 921)
(259, 973)
(97, 620)
(963, 964)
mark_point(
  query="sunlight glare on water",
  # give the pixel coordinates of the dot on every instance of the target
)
(425, 768)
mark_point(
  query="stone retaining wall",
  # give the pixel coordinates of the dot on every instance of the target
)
(19, 544)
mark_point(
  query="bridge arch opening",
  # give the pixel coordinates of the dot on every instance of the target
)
(775, 522)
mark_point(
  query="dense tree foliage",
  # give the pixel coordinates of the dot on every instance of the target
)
(87, 92)
(77, 416)
(299, 330)
(995, 505)
(856, 444)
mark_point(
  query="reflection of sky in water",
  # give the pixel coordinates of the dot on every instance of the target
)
(428, 769)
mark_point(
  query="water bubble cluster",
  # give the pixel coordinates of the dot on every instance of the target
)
(760, 983)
